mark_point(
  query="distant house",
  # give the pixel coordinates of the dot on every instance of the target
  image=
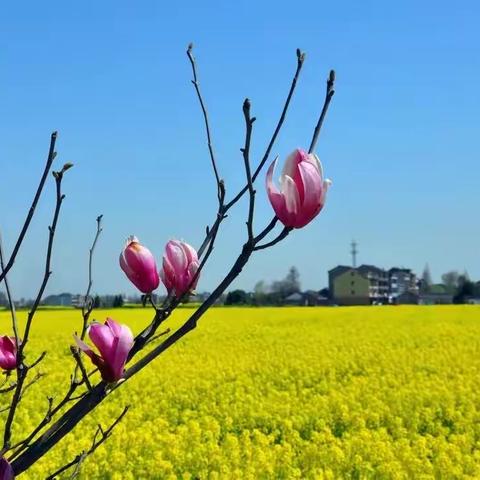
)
(432, 298)
(348, 286)
(407, 298)
(309, 298)
(78, 301)
(294, 299)
(64, 300)
(402, 280)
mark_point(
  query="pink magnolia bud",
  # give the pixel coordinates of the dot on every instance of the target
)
(8, 353)
(6, 470)
(114, 342)
(302, 189)
(139, 265)
(180, 264)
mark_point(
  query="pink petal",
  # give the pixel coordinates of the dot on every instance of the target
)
(176, 256)
(120, 349)
(103, 338)
(276, 198)
(190, 252)
(292, 198)
(84, 347)
(168, 274)
(312, 185)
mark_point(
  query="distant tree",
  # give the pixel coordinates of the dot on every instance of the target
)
(118, 301)
(292, 280)
(325, 292)
(3, 300)
(260, 293)
(465, 289)
(97, 303)
(426, 281)
(290, 284)
(450, 280)
(237, 297)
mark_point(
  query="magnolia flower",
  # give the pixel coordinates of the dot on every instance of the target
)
(139, 265)
(8, 354)
(6, 470)
(114, 342)
(180, 264)
(302, 189)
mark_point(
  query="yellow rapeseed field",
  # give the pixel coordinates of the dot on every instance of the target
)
(287, 393)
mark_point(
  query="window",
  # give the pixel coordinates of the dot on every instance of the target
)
(352, 292)
(352, 283)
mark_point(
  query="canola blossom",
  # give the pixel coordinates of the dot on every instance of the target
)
(283, 393)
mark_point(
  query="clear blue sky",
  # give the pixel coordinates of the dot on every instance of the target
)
(400, 142)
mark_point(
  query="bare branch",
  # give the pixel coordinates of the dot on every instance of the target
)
(79, 459)
(205, 117)
(279, 238)
(78, 359)
(300, 60)
(22, 368)
(11, 303)
(328, 97)
(51, 156)
(88, 302)
(246, 159)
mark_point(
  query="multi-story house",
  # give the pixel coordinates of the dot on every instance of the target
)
(368, 284)
(378, 283)
(401, 280)
(348, 287)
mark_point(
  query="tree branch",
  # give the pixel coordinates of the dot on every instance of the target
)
(279, 238)
(79, 459)
(300, 60)
(88, 302)
(205, 117)
(51, 156)
(11, 303)
(246, 159)
(22, 368)
(328, 97)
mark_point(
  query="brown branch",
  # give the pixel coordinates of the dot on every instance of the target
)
(79, 459)
(328, 97)
(205, 118)
(29, 453)
(51, 156)
(93, 398)
(300, 60)
(246, 159)
(11, 303)
(22, 368)
(279, 238)
(76, 355)
(88, 302)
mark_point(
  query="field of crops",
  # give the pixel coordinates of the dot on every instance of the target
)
(380, 392)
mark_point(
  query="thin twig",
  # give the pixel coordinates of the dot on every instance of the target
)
(246, 159)
(98, 393)
(31, 452)
(78, 359)
(205, 118)
(79, 459)
(328, 97)
(11, 303)
(88, 302)
(300, 60)
(22, 368)
(51, 156)
(279, 238)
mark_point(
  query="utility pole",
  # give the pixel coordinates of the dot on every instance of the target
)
(354, 252)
